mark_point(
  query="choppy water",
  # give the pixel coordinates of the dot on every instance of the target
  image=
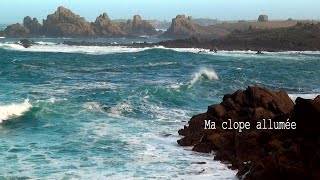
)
(97, 112)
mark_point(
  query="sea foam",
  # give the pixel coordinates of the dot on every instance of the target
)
(14, 110)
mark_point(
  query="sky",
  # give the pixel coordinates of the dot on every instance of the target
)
(12, 11)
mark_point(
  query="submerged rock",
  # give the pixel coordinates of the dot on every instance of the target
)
(261, 153)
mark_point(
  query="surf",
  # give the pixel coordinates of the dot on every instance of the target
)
(14, 110)
(203, 74)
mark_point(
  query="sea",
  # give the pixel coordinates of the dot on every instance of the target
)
(79, 112)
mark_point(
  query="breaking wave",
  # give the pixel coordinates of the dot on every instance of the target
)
(14, 110)
(203, 74)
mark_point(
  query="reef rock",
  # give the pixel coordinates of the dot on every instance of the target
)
(64, 23)
(32, 24)
(261, 153)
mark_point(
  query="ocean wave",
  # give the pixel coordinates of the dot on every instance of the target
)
(305, 96)
(14, 110)
(2, 37)
(203, 74)
(95, 107)
(61, 48)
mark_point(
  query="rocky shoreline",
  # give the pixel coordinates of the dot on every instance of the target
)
(302, 37)
(261, 154)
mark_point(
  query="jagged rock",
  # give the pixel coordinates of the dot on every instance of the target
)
(64, 23)
(26, 43)
(105, 28)
(32, 24)
(263, 18)
(257, 153)
(138, 27)
(16, 30)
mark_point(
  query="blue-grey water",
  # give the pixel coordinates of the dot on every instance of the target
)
(114, 112)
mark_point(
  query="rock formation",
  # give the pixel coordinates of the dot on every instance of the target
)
(182, 27)
(105, 28)
(138, 27)
(64, 23)
(261, 154)
(16, 30)
(32, 24)
(263, 18)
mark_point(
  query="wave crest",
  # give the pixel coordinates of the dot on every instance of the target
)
(203, 74)
(14, 110)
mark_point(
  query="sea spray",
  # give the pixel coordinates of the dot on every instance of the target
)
(204, 73)
(14, 110)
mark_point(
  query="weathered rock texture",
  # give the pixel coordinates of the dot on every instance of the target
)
(261, 154)
(16, 30)
(64, 23)
(32, 24)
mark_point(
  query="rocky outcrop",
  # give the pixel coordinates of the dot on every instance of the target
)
(32, 24)
(263, 18)
(261, 153)
(103, 27)
(183, 27)
(16, 30)
(64, 23)
(138, 27)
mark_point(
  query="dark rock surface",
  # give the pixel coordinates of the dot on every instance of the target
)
(138, 27)
(301, 37)
(33, 25)
(261, 154)
(103, 27)
(263, 18)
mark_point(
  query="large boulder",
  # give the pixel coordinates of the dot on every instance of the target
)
(261, 153)
(32, 24)
(64, 23)
(263, 18)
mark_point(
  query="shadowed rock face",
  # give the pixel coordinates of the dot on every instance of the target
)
(64, 23)
(32, 24)
(261, 154)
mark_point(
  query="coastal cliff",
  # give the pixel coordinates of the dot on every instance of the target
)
(261, 153)
(65, 23)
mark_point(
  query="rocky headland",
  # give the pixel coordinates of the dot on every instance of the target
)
(301, 37)
(65, 23)
(261, 153)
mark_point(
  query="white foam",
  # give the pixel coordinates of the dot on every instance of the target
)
(305, 96)
(2, 37)
(14, 110)
(203, 73)
(94, 106)
(61, 48)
